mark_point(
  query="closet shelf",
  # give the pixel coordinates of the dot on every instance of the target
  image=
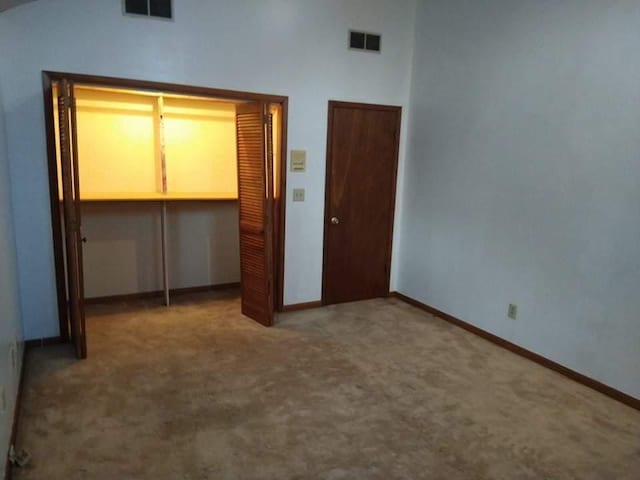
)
(151, 196)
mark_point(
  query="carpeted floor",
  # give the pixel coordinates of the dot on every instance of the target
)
(370, 390)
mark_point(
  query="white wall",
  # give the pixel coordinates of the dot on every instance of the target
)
(204, 244)
(295, 48)
(10, 330)
(523, 176)
(123, 250)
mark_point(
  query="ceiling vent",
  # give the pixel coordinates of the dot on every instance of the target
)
(368, 42)
(149, 8)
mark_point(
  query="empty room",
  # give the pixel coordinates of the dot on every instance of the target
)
(302, 239)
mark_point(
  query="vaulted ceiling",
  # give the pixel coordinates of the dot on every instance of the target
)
(7, 4)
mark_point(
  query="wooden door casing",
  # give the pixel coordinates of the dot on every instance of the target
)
(362, 162)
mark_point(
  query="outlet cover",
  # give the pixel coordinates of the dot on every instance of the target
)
(298, 194)
(513, 311)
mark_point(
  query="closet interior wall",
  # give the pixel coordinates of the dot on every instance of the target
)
(144, 152)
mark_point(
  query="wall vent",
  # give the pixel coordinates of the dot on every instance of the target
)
(369, 42)
(149, 8)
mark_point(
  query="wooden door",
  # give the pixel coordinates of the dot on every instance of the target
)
(362, 159)
(255, 200)
(71, 211)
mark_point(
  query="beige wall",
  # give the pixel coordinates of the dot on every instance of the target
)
(123, 250)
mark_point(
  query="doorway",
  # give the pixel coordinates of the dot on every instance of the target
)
(362, 161)
(171, 168)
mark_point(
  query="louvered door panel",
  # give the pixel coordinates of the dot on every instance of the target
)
(71, 207)
(255, 195)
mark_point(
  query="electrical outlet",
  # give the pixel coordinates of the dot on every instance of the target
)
(298, 194)
(513, 311)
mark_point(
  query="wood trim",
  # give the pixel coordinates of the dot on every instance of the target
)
(43, 342)
(364, 106)
(160, 293)
(392, 206)
(279, 297)
(163, 87)
(327, 201)
(296, 307)
(523, 352)
(333, 104)
(54, 198)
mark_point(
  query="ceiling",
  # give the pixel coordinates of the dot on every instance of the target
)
(7, 4)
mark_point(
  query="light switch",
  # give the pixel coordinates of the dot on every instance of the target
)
(298, 194)
(298, 160)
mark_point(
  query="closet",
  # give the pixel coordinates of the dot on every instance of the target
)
(160, 191)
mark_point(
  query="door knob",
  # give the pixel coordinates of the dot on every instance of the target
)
(335, 220)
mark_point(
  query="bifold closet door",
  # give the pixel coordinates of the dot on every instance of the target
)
(255, 200)
(67, 134)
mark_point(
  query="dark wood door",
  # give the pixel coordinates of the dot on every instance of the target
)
(71, 213)
(255, 201)
(362, 160)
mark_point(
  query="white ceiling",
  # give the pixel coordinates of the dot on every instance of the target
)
(7, 4)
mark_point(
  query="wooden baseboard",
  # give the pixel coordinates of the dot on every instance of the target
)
(159, 293)
(41, 342)
(523, 352)
(301, 306)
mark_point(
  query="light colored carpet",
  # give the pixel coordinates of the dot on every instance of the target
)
(370, 390)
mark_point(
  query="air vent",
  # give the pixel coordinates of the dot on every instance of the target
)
(369, 42)
(149, 8)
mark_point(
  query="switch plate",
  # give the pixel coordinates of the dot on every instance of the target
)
(298, 194)
(512, 313)
(298, 161)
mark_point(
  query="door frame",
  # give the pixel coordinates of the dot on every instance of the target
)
(333, 105)
(51, 77)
